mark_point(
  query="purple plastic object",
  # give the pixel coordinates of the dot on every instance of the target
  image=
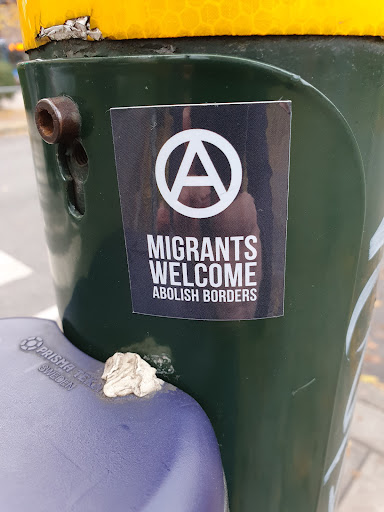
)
(66, 447)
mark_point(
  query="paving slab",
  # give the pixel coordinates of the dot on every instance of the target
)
(371, 391)
(367, 492)
(355, 456)
(368, 427)
(362, 479)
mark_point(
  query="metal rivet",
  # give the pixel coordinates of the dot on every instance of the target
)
(57, 119)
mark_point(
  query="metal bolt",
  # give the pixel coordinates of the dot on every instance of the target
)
(57, 119)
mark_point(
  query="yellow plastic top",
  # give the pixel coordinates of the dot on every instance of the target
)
(130, 19)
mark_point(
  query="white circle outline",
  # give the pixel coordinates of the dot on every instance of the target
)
(229, 151)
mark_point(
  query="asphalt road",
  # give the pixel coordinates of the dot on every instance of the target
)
(25, 283)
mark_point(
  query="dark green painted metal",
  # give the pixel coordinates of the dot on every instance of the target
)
(277, 437)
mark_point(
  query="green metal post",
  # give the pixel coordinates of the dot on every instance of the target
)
(279, 391)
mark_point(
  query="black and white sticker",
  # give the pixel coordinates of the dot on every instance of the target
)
(203, 192)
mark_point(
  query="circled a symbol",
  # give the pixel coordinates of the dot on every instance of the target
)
(196, 138)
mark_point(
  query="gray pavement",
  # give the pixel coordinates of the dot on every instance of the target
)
(12, 115)
(22, 240)
(26, 290)
(362, 480)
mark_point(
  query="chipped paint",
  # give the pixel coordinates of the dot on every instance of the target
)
(77, 28)
(377, 241)
(360, 303)
(337, 459)
(303, 387)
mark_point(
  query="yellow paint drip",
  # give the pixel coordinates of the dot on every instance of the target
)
(129, 19)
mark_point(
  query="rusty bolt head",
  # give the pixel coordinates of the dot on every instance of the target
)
(57, 119)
